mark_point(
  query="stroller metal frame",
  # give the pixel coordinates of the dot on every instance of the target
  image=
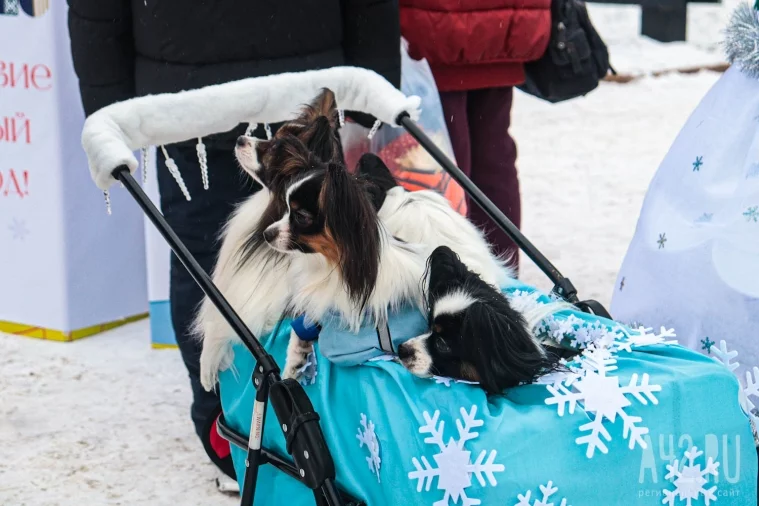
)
(285, 394)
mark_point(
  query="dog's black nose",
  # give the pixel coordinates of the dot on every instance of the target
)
(405, 352)
(270, 234)
(242, 141)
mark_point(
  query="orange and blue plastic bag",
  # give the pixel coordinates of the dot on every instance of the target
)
(412, 165)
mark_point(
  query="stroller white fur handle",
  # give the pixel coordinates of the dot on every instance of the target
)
(111, 134)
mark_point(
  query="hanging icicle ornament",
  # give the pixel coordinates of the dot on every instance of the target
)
(251, 128)
(202, 161)
(144, 160)
(341, 117)
(267, 129)
(375, 127)
(107, 196)
(174, 170)
(742, 39)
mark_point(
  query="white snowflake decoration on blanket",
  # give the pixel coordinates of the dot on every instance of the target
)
(307, 373)
(746, 391)
(454, 467)
(547, 491)
(580, 333)
(690, 480)
(441, 380)
(587, 379)
(384, 358)
(521, 300)
(368, 437)
(600, 393)
(643, 336)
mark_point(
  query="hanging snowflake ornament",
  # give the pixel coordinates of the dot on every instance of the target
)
(547, 491)
(144, 159)
(689, 480)
(453, 463)
(368, 437)
(174, 171)
(107, 197)
(601, 395)
(200, 148)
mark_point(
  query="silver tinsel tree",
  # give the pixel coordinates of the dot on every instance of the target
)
(742, 39)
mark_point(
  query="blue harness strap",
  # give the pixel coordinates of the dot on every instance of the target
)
(306, 330)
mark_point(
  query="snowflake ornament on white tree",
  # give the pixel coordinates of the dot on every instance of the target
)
(690, 480)
(368, 437)
(601, 394)
(454, 466)
(547, 491)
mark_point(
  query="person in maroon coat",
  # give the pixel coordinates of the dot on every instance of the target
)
(477, 50)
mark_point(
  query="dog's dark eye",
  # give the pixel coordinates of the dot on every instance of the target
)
(303, 218)
(441, 346)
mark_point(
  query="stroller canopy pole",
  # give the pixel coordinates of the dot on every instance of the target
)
(193, 267)
(562, 285)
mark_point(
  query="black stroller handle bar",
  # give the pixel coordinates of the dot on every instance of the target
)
(193, 267)
(562, 286)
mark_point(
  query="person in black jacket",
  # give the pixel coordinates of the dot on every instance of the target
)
(127, 48)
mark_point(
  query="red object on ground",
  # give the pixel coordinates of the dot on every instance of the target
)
(476, 44)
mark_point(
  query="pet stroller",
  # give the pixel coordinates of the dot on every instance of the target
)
(111, 135)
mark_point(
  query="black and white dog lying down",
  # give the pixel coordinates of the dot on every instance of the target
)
(475, 334)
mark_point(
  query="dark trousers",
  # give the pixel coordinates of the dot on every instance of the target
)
(198, 224)
(478, 123)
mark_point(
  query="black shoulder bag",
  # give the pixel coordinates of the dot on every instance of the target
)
(576, 58)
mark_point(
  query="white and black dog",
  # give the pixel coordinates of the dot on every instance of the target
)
(475, 334)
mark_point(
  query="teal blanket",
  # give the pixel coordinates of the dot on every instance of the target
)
(636, 421)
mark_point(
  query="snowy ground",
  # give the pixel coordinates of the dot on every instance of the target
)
(105, 420)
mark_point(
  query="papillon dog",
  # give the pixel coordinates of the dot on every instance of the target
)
(344, 261)
(250, 274)
(475, 334)
(267, 161)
